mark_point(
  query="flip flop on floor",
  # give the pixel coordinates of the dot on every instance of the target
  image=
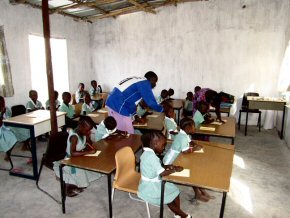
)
(17, 170)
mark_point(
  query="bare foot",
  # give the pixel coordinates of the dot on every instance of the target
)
(203, 192)
(202, 198)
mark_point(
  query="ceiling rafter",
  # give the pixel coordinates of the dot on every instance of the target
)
(145, 8)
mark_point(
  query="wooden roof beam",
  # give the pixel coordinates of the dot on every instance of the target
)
(144, 7)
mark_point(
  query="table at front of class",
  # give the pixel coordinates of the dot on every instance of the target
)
(177, 104)
(96, 116)
(226, 130)
(38, 123)
(104, 163)
(266, 104)
(211, 170)
(155, 121)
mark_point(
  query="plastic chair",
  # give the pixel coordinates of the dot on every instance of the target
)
(18, 110)
(245, 109)
(55, 151)
(126, 178)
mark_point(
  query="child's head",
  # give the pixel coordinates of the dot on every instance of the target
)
(110, 123)
(197, 89)
(66, 97)
(170, 92)
(94, 83)
(152, 78)
(154, 140)
(2, 102)
(81, 87)
(33, 95)
(187, 125)
(55, 95)
(85, 125)
(169, 111)
(202, 107)
(164, 94)
(189, 96)
(88, 98)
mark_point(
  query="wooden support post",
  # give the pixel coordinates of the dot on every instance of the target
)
(49, 72)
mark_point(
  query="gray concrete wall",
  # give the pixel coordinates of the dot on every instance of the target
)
(215, 44)
(19, 21)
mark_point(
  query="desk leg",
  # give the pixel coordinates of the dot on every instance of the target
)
(62, 188)
(246, 127)
(178, 118)
(282, 129)
(109, 195)
(233, 141)
(33, 152)
(223, 204)
(162, 198)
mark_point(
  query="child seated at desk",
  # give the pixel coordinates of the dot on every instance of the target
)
(162, 97)
(78, 144)
(105, 128)
(171, 125)
(149, 188)
(88, 106)
(188, 105)
(80, 93)
(7, 137)
(33, 104)
(70, 112)
(182, 143)
(201, 115)
(57, 102)
(170, 94)
(95, 88)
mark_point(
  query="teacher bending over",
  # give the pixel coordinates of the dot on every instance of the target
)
(125, 96)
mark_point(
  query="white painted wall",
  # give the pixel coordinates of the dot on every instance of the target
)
(215, 44)
(19, 21)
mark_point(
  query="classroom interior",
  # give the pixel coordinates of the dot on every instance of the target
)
(231, 46)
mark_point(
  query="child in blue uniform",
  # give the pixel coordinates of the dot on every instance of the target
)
(105, 128)
(171, 125)
(57, 102)
(80, 93)
(182, 143)
(188, 104)
(78, 144)
(88, 106)
(151, 171)
(33, 104)
(7, 137)
(162, 97)
(70, 112)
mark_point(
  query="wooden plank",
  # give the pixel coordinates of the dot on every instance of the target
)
(144, 8)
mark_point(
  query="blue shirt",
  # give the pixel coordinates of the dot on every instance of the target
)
(128, 93)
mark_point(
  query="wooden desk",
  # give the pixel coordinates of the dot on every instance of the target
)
(177, 104)
(99, 96)
(154, 122)
(226, 130)
(96, 116)
(225, 110)
(211, 170)
(104, 163)
(266, 104)
(38, 122)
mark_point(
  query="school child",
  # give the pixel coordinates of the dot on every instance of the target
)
(7, 137)
(162, 97)
(33, 104)
(201, 115)
(70, 112)
(105, 128)
(88, 106)
(171, 125)
(188, 105)
(182, 143)
(80, 93)
(197, 89)
(142, 108)
(57, 102)
(149, 188)
(95, 88)
(170, 93)
(78, 144)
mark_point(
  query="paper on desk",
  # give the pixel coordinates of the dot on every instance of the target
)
(140, 124)
(207, 128)
(93, 115)
(183, 173)
(216, 123)
(102, 111)
(153, 115)
(93, 155)
(31, 115)
(199, 151)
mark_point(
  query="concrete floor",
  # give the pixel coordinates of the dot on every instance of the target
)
(260, 187)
